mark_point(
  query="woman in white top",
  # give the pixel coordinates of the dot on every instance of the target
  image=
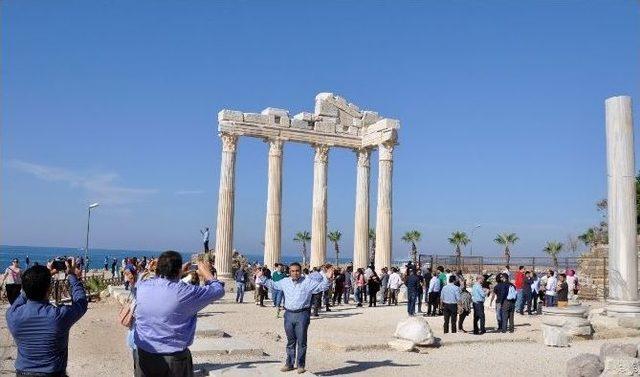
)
(12, 280)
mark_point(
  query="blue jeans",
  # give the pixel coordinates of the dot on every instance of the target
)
(411, 305)
(240, 291)
(550, 300)
(499, 316)
(346, 293)
(295, 326)
(519, 300)
(357, 294)
(277, 297)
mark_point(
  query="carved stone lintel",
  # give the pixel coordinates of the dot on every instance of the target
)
(385, 151)
(363, 155)
(275, 146)
(229, 142)
(322, 153)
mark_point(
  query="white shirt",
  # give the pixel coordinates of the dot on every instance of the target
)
(434, 284)
(368, 273)
(394, 281)
(552, 283)
(571, 282)
(535, 286)
(205, 236)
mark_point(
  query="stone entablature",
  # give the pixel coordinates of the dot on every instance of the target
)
(335, 122)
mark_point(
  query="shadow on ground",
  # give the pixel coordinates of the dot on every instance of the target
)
(361, 366)
(240, 365)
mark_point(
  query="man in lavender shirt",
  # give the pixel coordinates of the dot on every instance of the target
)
(165, 314)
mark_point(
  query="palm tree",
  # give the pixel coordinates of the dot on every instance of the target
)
(335, 237)
(372, 246)
(303, 237)
(412, 237)
(458, 239)
(553, 248)
(506, 239)
(589, 238)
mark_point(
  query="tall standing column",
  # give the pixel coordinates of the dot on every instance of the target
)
(319, 214)
(623, 257)
(224, 225)
(385, 209)
(272, 231)
(361, 232)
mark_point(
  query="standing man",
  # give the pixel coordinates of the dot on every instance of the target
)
(395, 281)
(384, 282)
(478, 295)
(550, 290)
(526, 293)
(433, 296)
(450, 295)
(106, 263)
(166, 313)
(413, 290)
(348, 283)
(297, 295)
(41, 330)
(205, 238)
(241, 278)
(276, 294)
(114, 263)
(27, 261)
(519, 284)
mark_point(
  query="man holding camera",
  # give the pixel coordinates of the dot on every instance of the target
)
(165, 316)
(41, 330)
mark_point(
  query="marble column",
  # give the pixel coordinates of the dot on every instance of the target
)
(272, 231)
(385, 209)
(361, 229)
(623, 257)
(224, 225)
(319, 214)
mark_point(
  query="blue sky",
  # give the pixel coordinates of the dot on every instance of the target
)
(501, 106)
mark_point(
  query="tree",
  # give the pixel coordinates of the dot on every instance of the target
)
(303, 237)
(458, 239)
(372, 246)
(553, 248)
(412, 237)
(335, 238)
(506, 240)
(589, 238)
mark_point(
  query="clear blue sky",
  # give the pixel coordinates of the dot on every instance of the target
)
(501, 107)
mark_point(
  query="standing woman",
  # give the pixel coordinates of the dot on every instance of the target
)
(373, 286)
(12, 280)
(360, 283)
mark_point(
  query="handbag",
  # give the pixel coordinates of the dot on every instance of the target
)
(125, 316)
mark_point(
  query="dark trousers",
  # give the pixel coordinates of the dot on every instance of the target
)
(411, 303)
(432, 306)
(526, 299)
(316, 303)
(326, 296)
(533, 302)
(508, 309)
(206, 246)
(346, 292)
(177, 364)
(337, 295)
(372, 298)
(478, 316)
(450, 312)
(393, 296)
(419, 300)
(295, 326)
(262, 294)
(461, 318)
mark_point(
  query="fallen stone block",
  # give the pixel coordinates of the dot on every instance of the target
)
(402, 345)
(621, 366)
(584, 365)
(554, 336)
(618, 349)
(415, 329)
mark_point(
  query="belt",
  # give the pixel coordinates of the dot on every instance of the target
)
(298, 311)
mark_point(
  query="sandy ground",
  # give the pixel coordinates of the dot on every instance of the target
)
(97, 346)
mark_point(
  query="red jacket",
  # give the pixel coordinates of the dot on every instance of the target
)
(519, 280)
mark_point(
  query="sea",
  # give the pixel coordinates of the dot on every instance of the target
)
(43, 254)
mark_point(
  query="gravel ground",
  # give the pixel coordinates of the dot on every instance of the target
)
(97, 346)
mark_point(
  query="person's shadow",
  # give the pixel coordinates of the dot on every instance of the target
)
(360, 366)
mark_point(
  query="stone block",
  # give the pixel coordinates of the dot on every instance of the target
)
(402, 345)
(304, 116)
(230, 115)
(370, 117)
(299, 123)
(325, 108)
(621, 366)
(584, 365)
(618, 349)
(275, 111)
(415, 329)
(554, 336)
(256, 118)
(324, 126)
(629, 322)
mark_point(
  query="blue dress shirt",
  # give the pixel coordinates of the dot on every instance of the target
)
(477, 293)
(450, 294)
(297, 294)
(41, 330)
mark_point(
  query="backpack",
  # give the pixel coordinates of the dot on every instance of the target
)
(512, 293)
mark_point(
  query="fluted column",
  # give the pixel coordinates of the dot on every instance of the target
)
(623, 257)
(224, 225)
(272, 231)
(384, 210)
(319, 214)
(361, 229)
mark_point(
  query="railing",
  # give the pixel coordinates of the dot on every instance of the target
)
(60, 287)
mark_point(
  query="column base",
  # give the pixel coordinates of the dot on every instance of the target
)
(623, 308)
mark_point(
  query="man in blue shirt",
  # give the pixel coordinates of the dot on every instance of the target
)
(41, 330)
(478, 295)
(165, 314)
(414, 288)
(449, 295)
(297, 290)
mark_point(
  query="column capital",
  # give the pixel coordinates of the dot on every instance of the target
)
(385, 151)
(229, 142)
(363, 155)
(322, 153)
(275, 146)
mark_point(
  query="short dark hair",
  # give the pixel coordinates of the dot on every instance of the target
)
(169, 264)
(296, 264)
(452, 279)
(440, 268)
(36, 282)
(551, 272)
(521, 268)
